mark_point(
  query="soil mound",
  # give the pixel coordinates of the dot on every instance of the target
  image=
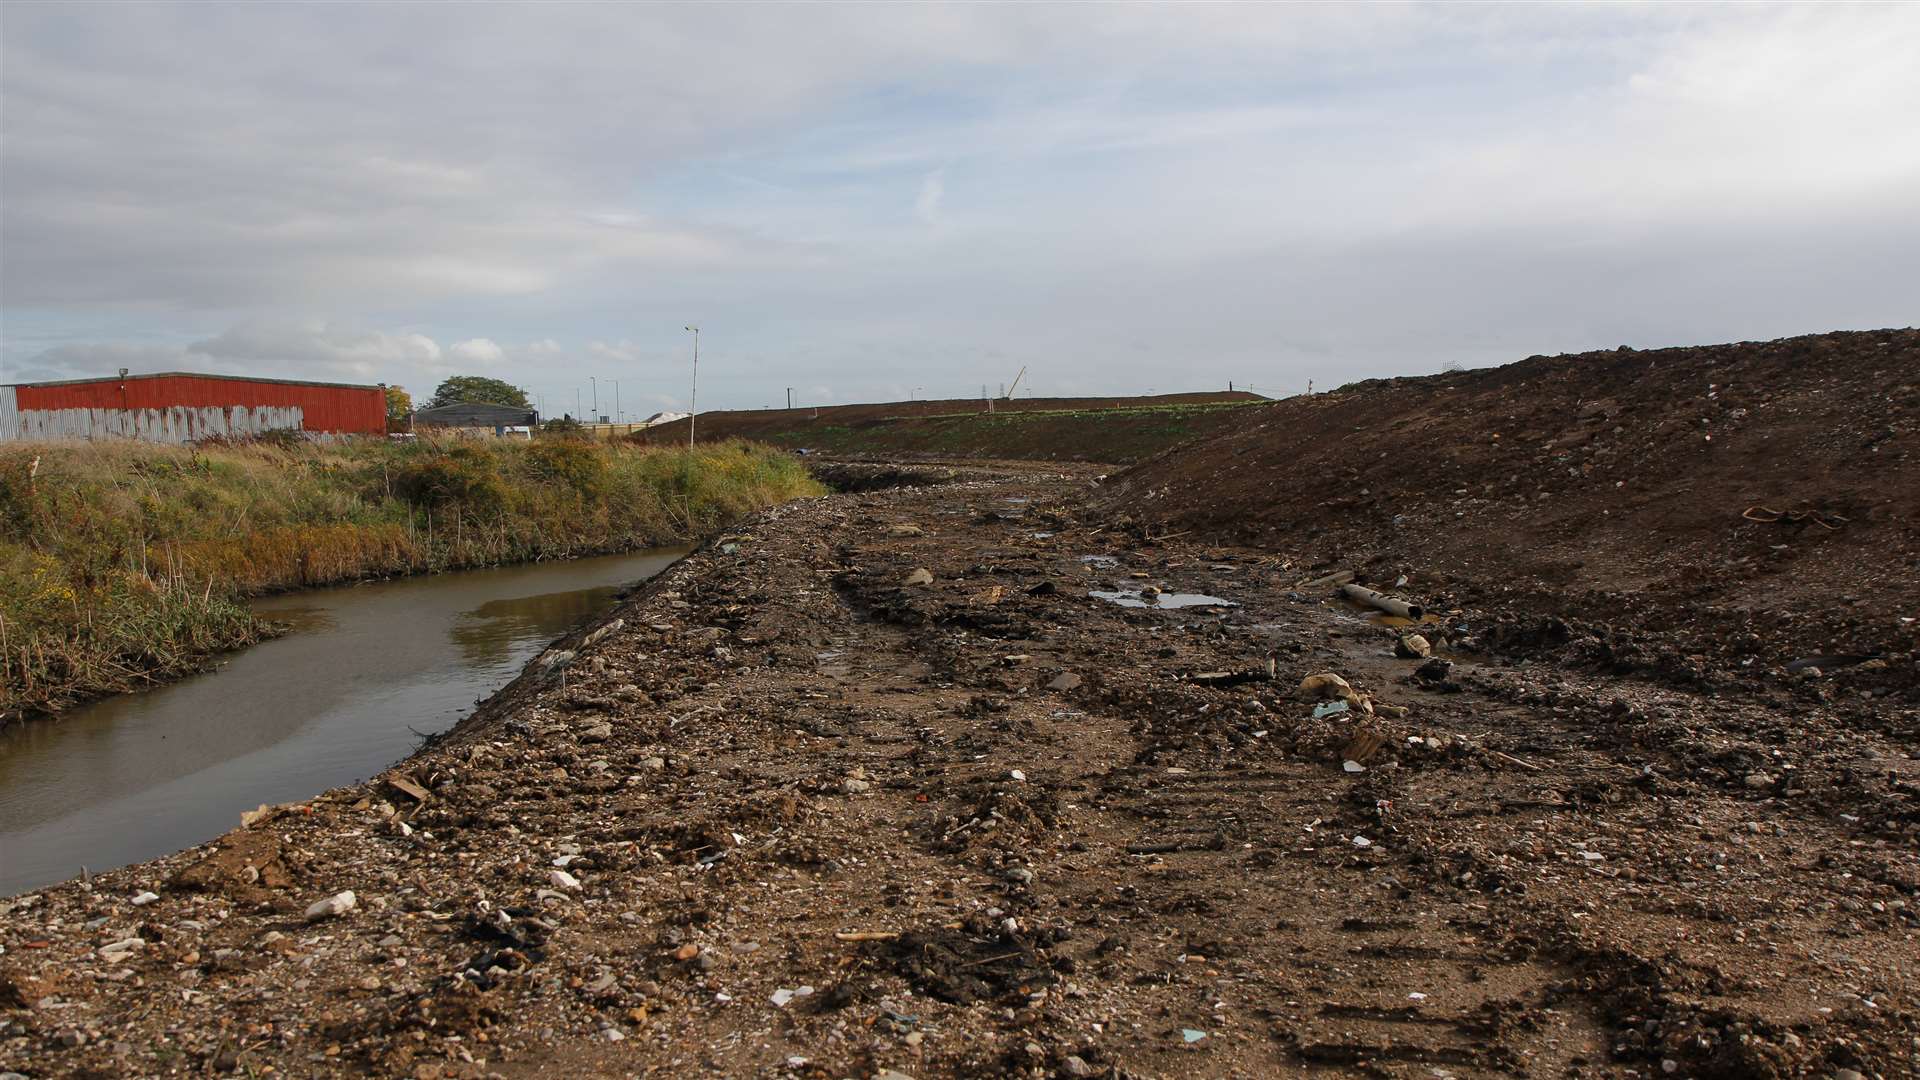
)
(1756, 501)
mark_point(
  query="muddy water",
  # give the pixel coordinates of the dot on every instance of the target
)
(366, 670)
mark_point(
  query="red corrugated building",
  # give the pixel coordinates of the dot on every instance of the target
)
(178, 407)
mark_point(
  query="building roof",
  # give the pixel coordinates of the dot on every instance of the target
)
(201, 375)
(473, 414)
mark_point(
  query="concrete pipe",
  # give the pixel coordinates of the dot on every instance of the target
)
(1383, 602)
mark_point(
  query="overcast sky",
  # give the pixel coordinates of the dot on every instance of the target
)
(865, 202)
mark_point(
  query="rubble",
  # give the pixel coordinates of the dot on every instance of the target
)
(834, 827)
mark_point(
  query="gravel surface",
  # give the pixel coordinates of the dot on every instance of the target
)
(783, 814)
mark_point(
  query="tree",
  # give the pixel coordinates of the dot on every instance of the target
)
(399, 407)
(478, 388)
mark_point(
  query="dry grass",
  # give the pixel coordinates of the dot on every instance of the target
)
(124, 563)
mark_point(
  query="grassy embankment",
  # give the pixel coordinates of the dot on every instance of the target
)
(125, 564)
(1114, 436)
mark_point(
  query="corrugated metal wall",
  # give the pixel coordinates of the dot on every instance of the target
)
(181, 408)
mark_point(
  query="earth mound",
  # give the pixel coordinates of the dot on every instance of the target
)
(1753, 503)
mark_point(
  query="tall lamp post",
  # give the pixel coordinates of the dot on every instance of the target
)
(693, 399)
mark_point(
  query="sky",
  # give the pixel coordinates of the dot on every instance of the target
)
(867, 202)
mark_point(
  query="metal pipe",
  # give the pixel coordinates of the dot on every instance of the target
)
(1363, 595)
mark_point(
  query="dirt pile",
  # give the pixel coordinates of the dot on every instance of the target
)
(1746, 504)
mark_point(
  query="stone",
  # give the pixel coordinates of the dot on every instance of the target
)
(856, 787)
(144, 898)
(120, 950)
(1413, 647)
(1076, 1066)
(594, 733)
(922, 576)
(1326, 687)
(1065, 681)
(338, 904)
(560, 879)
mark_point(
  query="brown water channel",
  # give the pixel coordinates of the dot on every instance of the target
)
(366, 670)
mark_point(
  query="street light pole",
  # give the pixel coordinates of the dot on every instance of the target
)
(693, 398)
(596, 397)
(616, 401)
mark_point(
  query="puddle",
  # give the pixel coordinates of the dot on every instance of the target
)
(1163, 601)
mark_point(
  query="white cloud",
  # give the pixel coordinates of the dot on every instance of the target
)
(477, 351)
(933, 188)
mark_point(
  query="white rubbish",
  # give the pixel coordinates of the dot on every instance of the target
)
(143, 899)
(1016, 774)
(1353, 766)
(560, 879)
(1362, 842)
(783, 996)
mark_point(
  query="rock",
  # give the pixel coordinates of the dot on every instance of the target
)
(1076, 1066)
(338, 904)
(922, 576)
(1353, 766)
(686, 952)
(654, 763)
(120, 950)
(855, 787)
(1434, 671)
(560, 879)
(1848, 1074)
(905, 530)
(1326, 687)
(891, 1074)
(1759, 780)
(599, 732)
(143, 899)
(71, 1038)
(1065, 681)
(1412, 647)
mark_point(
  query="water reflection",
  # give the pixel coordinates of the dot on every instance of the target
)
(344, 695)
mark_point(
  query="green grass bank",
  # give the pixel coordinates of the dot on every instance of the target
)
(1114, 435)
(126, 564)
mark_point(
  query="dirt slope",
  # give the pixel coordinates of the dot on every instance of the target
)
(787, 815)
(1637, 491)
(1109, 430)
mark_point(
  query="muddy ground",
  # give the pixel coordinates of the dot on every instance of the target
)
(801, 810)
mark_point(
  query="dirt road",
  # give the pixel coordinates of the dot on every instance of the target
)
(800, 811)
